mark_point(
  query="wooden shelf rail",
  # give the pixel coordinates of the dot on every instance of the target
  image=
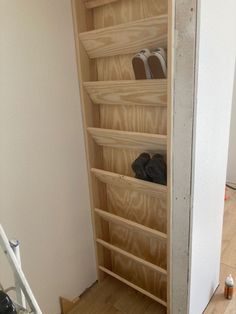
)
(153, 189)
(150, 295)
(126, 38)
(129, 223)
(90, 4)
(129, 92)
(125, 139)
(131, 256)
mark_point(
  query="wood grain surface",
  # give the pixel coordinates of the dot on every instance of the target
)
(119, 160)
(115, 297)
(153, 189)
(124, 117)
(151, 281)
(126, 38)
(145, 246)
(134, 118)
(126, 11)
(129, 224)
(133, 285)
(218, 304)
(90, 4)
(131, 256)
(138, 206)
(128, 92)
(125, 139)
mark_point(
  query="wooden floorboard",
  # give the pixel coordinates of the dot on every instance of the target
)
(112, 296)
(218, 304)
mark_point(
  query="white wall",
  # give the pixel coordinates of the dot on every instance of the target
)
(44, 197)
(231, 171)
(217, 51)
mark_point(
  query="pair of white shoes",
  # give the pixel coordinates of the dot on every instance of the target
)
(150, 65)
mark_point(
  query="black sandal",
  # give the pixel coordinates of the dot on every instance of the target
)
(138, 167)
(6, 304)
(156, 169)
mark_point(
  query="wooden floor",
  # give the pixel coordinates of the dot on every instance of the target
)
(113, 297)
(218, 304)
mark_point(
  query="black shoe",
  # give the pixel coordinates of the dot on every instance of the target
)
(138, 167)
(156, 169)
(6, 304)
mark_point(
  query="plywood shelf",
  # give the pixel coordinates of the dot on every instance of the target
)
(126, 38)
(131, 224)
(90, 4)
(128, 92)
(150, 295)
(131, 140)
(131, 256)
(153, 189)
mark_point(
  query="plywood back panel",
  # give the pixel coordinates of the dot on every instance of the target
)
(147, 279)
(134, 118)
(139, 244)
(120, 160)
(137, 206)
(126, 11)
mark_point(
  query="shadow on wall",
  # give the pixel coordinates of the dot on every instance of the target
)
(231, 171)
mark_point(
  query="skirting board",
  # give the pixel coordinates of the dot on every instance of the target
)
(67, 305)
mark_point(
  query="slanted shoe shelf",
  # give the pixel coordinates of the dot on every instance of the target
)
(123, 117)
(125, 93)
(126, 38)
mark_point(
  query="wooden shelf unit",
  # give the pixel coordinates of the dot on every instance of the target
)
(123, 117)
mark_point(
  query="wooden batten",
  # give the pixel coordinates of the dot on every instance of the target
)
(153, 189)
(150, 295)
(131, 256)
(131, 224)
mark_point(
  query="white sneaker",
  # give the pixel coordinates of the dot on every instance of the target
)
(141, 66)
(158, 64)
